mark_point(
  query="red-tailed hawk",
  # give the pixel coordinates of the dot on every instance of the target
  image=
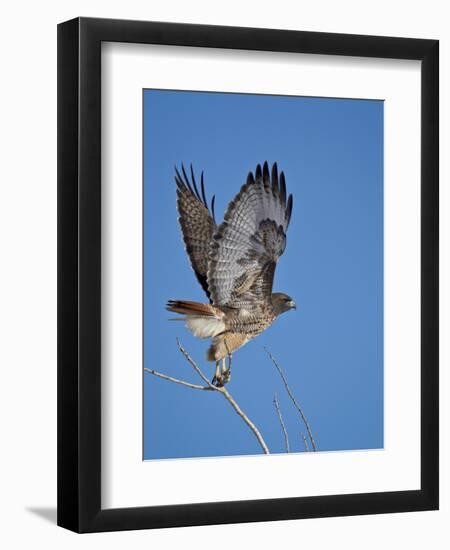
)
(235, 261)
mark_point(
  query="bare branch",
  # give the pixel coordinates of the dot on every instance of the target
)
(283, 426)
(245, 418)
(211, 387)
(177, 380)
(291, 395)
(305, 441)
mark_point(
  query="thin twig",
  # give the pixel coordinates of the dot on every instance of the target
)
(195, 366)
(177, 380)
(283, 426)
(211, 387)
(305, 441)
(291, 395)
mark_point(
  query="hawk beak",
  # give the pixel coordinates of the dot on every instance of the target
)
(292, 304)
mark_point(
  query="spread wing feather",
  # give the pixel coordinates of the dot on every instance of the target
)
(246, 246)
(197, 223)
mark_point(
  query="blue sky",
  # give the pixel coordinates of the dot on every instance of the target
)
(331, 347)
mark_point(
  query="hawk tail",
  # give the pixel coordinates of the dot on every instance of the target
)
(186, 307)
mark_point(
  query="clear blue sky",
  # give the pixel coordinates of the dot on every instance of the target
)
(331, 347)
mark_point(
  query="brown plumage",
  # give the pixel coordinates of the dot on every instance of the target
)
(235, 261)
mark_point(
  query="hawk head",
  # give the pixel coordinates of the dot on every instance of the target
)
(282, 302)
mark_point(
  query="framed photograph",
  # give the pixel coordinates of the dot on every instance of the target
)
(248, 275)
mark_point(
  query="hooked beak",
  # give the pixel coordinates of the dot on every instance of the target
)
(292, 304)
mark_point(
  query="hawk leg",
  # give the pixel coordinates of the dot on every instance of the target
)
(226, 371)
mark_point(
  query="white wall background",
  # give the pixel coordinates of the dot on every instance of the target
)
(28, 270)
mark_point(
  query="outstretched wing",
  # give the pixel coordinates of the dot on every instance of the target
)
(197, 223)
(247, 245)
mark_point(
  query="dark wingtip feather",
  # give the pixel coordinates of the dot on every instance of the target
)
(266, 172)
(194, 183)
(289, 206)
(275, 178)
(202, 185)
(192, 173)
(282, 189)
(186, 179)
(250, 179)
(258, 172)
(213, 201)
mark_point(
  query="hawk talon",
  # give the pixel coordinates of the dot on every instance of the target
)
(218, 381)
(226, 376)
(223, 374)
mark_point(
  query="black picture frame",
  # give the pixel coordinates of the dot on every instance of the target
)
(79, 274)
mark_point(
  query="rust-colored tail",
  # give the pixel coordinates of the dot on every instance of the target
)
(186, 307)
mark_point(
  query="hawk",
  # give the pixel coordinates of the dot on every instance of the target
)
(234, 262)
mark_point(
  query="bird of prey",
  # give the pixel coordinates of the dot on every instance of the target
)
(234, 261)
